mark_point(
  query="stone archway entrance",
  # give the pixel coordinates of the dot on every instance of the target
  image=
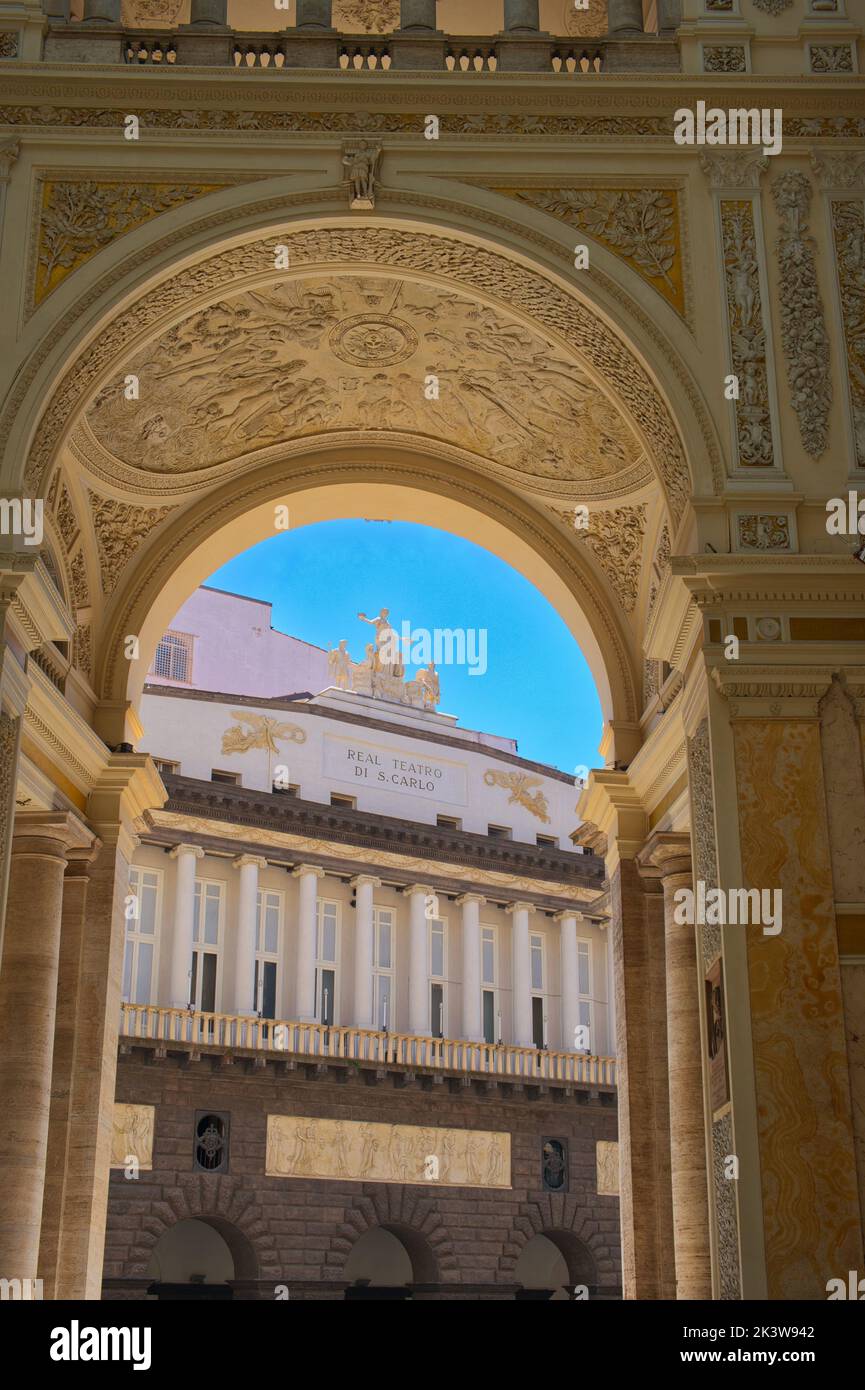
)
(386, 1262)
(552, 1265)
(199, 1259)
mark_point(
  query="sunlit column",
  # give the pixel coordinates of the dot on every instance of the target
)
(473, 1029)
(364, 886)
(186, 857)
(521, 970)
(28, 1002)
(307, 876)
(247, 912)
(418, 967)
(567, 921)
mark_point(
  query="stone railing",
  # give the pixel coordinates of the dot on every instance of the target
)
(187, 1029)
(416, 45)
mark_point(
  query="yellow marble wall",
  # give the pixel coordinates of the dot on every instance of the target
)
(805, 1125)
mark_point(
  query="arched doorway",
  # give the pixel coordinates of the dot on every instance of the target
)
(386, 1262)
(553, 1266)
(199, 1260)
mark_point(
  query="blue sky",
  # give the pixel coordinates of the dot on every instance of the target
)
(537, 687)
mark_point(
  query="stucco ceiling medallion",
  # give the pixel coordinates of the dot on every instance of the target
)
(370, 340)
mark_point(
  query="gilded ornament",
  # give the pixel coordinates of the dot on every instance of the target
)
(519, 784)
(263, 732)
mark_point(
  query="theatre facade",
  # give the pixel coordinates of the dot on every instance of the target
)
(362, 950)
(448, 264)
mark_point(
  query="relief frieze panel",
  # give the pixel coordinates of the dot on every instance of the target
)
(330, 355)
(616, 539)
(120, 530)
(803, 327)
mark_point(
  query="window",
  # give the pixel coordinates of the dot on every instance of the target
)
(206, 932)
(583, 1041)
(219, 776)
(166, 765)
(383, 945)
(448, 823)
(337, 799)
(554, 1165)
(546, 842)
(268, 921)
(489, 977)
(326, 946)
(142, 915)
(499, 832)
(539, 1022)
(173, 660)
(211, 1142)
(437, 974)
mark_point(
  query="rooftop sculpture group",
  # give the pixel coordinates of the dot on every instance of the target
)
(382, 671)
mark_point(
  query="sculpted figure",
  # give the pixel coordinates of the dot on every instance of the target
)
(361, 163)
(428, 681)
(339, 665)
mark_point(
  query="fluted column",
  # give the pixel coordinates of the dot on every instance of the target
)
(522, 15)
(567, 921)
(624, 17)
(186, 857)
(209, 12)
(307, 876)
(28, 1004)
(668, 855)
(247, 908)
(473, 1023)
(313, 14)
(417, 14)
(521, 970)
(364, 886)
(418, 971)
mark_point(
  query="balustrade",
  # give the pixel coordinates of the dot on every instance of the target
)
(191, 1029)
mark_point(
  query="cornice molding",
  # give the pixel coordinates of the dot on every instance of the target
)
(783, 692)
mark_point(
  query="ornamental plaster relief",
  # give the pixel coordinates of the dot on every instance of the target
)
(301, 358)
(641, 225)
(616, 539)
(478, 269)
(755, 446)
(78, 216)
(848, 231)
(803, 327)
(120, 530)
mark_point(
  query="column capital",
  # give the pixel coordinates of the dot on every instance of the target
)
(520, 906)
(567, 912)
(471, 898)
(419, 888)
(127, 787)
(32, 832)
(312, 870)
(195, 850)
(665, 853)
(243, 859)
(80, 862)
(361, 880)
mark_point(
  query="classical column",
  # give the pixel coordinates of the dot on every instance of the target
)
(668, 855)
(209, 12)
(313, 14)
(522, 15)
(72, 928)
(567, 921)
(624, 17)
(129, 786)
(364, 886)
(186, 857)
(307, 876)
(28, 1002)
(247, 909)
(418, 963)
(417, 14)
(669, 16)
(473, 1023)
(102, 11)
(521, 970)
